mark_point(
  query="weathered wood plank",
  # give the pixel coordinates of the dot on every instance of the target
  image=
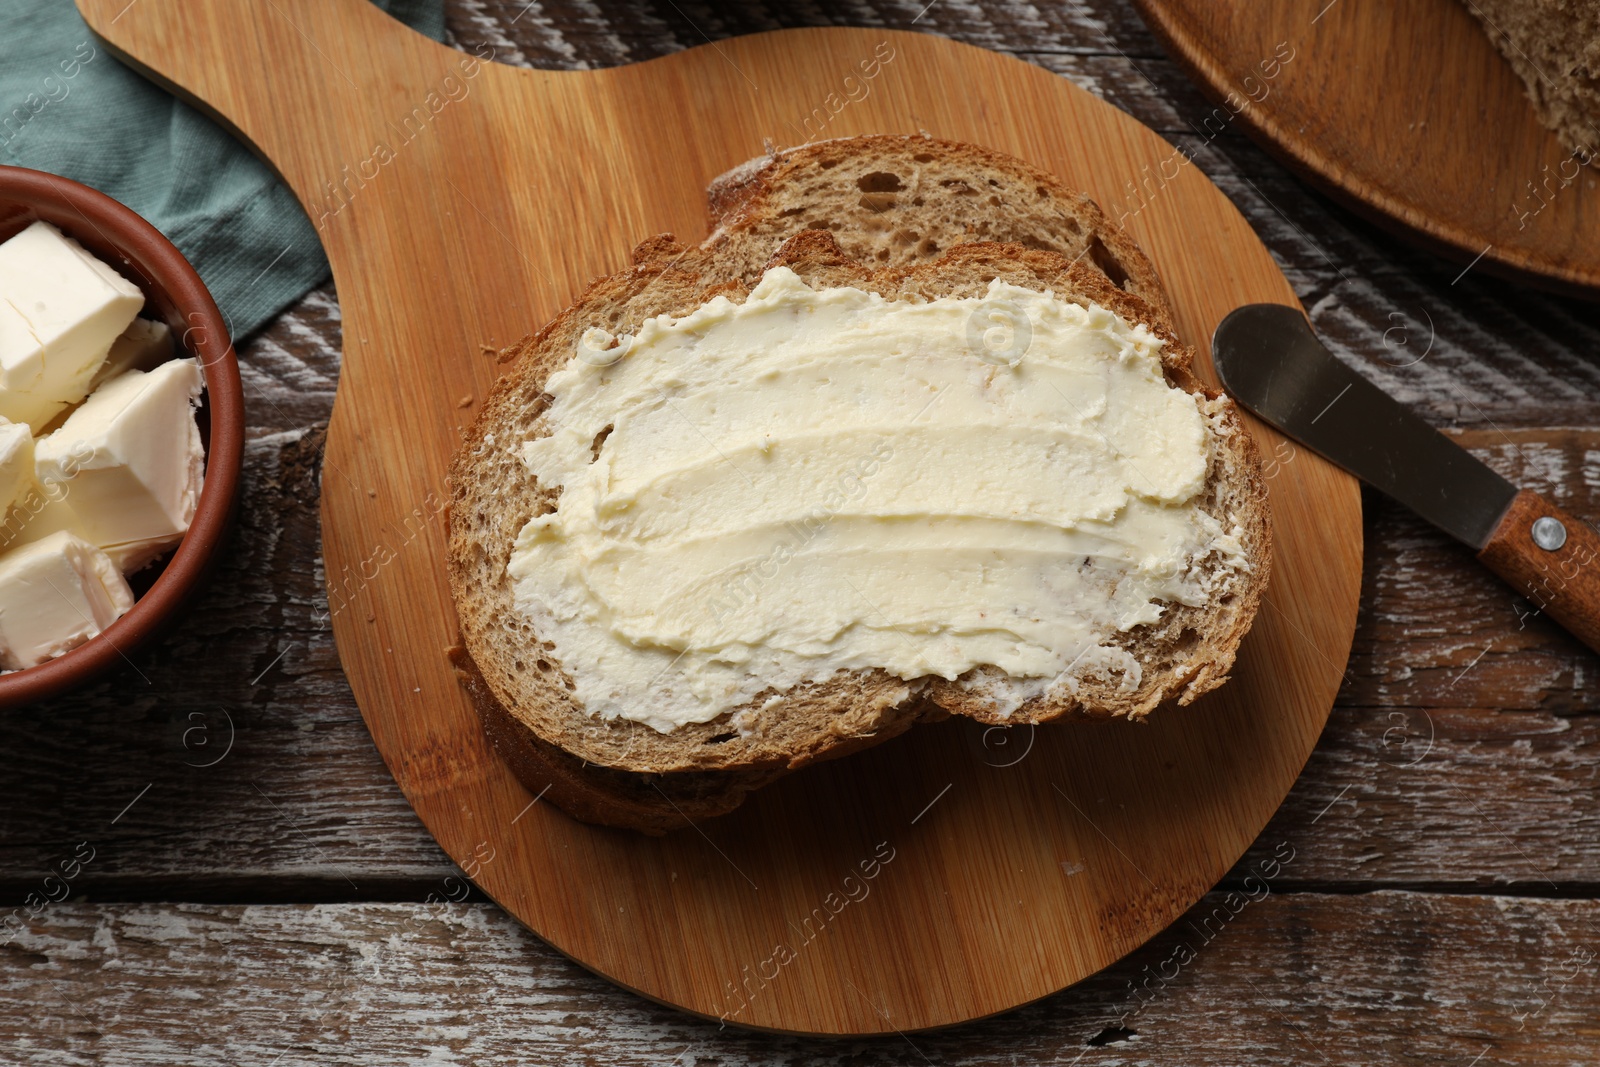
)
(302, 808)
(1440, 631)
(1394, 978)
(234, 723)
(605, 33)
(1448, 798)
(291, 368)
(1445, 799)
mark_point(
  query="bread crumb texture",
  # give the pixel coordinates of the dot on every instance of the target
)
(1554, 46)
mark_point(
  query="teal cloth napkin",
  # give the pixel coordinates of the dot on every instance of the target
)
(68, 107)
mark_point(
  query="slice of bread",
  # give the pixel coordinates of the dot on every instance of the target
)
(1554, 46)
(625, 773)
(895, 201)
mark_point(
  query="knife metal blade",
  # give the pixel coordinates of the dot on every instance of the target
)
(1271, 361)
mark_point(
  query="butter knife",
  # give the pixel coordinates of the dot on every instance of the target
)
(1270, 360)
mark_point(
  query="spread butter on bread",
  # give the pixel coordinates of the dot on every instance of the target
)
(909, 435)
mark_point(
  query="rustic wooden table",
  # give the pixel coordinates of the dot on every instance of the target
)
(249, 886)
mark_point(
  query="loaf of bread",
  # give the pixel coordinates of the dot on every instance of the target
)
(909, 218)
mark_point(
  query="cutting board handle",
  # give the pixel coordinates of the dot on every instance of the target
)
(1552, 558)
(323, 60)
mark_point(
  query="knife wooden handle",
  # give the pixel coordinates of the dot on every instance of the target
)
(1553, 559)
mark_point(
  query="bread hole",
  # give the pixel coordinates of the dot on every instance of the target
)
(819, 224)
(994, 183)
(879, 181)
(519, 665)
(1041, 192)
(599, 440)
(1109, 264)
(905, 238)
(878, 202)
(923, 157)
(883, 255)
(720, 739)
(927, 248)
(956, 185)
(827, 164)
(918, 202)
(791, 212)
(994, 201)
(571, 686)
(1073, 227)
(542, 664)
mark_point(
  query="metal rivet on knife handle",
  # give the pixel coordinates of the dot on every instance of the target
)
(1548, 533)
(1551, 558)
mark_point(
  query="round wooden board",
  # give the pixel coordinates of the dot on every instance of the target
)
(1405, 112)
(1004, 866)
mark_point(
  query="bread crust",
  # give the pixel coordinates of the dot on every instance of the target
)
(624, 773)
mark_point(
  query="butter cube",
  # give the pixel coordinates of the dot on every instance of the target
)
(55, 594)
(128, 463)
(38, 513)
(16, 462)
(144, 345)
(60, 310)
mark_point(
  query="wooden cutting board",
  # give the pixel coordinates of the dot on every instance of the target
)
(1004, 865)
(1405, 112)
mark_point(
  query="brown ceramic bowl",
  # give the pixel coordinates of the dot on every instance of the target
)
(174, 293)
